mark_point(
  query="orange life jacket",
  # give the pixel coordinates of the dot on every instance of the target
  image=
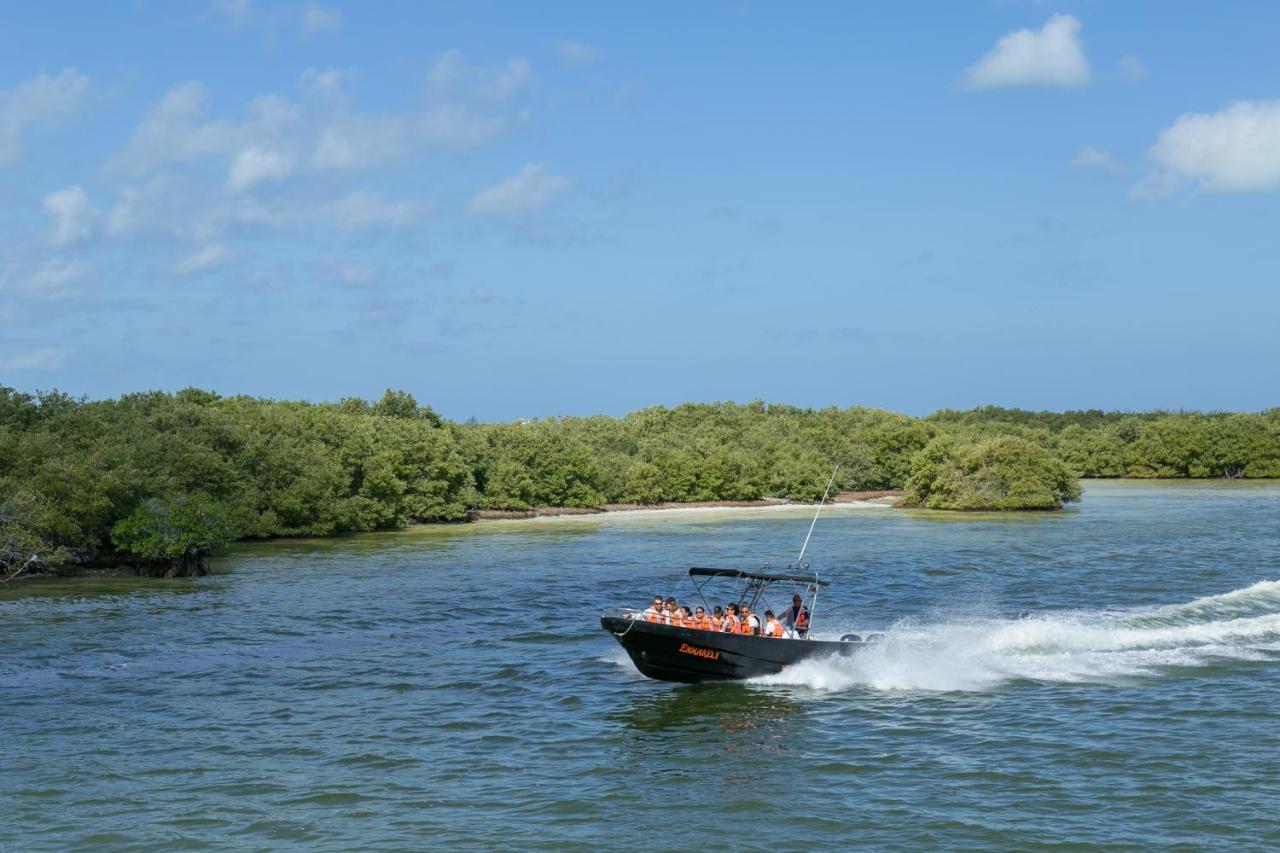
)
(716, 623)
(774, 628)
(731, 625)
(802, 620)
(652, 615)
(702, 623)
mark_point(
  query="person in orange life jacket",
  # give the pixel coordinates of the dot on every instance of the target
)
(717, 619)
(653, 613)
(731, 623)
(772, 627)
(796, 617)
(700, 620)
(669, 611)
(750, 622)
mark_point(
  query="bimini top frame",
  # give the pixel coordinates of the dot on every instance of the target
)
(754, 583)
(767, 577)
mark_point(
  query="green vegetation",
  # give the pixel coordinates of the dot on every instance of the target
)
(1005, 472)
(160, 479)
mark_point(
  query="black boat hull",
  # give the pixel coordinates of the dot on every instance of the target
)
(669, 653)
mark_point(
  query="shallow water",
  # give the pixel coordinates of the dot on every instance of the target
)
(1108, 676)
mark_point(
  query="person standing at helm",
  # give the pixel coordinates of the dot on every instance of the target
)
(772, 627)
(796, 617)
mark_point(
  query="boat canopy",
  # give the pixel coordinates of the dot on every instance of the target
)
(768, 577)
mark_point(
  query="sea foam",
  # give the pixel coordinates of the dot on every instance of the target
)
(1071, 647)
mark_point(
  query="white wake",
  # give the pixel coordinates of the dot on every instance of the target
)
(1081, 646)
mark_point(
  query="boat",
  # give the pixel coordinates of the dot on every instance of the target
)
(691, 655)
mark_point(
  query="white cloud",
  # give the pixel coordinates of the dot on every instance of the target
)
(452, 76)
(256, 164)
(324, 84)
(40, 104)
(467, 107)
(577, 54)
(1234, 150)
(459, 127)
(74, 218)
(202, 259)
(362, 209)
(189, 210)
(363, 142)
(1050, 56)
(1156, 186)
(1095, 158)
(177, 130)
(55, 277)
(39, 358)
(335, 150)
(521, 195)
(1131, 68)
(319, 19)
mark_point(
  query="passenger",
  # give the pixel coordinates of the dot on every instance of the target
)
(717, 619)
(796, 617)
(772, 627)
(686, 617)
(700, 620)
(669, 611)
(731, 623)
(653, 613)
(750, 622)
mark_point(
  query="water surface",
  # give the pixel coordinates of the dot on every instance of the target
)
(1108, 676)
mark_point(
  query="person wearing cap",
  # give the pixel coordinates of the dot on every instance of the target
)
(796, 617)
(717, 619)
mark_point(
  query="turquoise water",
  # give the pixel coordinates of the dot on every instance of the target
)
(1107, 676)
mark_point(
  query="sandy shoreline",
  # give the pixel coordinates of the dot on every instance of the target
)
(847, 499)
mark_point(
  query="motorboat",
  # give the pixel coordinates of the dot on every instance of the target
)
(669, 652)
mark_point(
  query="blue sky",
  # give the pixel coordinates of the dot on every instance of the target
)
(523, 210)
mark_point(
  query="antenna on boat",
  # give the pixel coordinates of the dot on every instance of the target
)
(815, 517)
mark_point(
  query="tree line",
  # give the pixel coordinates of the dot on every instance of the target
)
(160, 478)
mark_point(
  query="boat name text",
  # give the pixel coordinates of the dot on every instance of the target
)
(709, 654)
